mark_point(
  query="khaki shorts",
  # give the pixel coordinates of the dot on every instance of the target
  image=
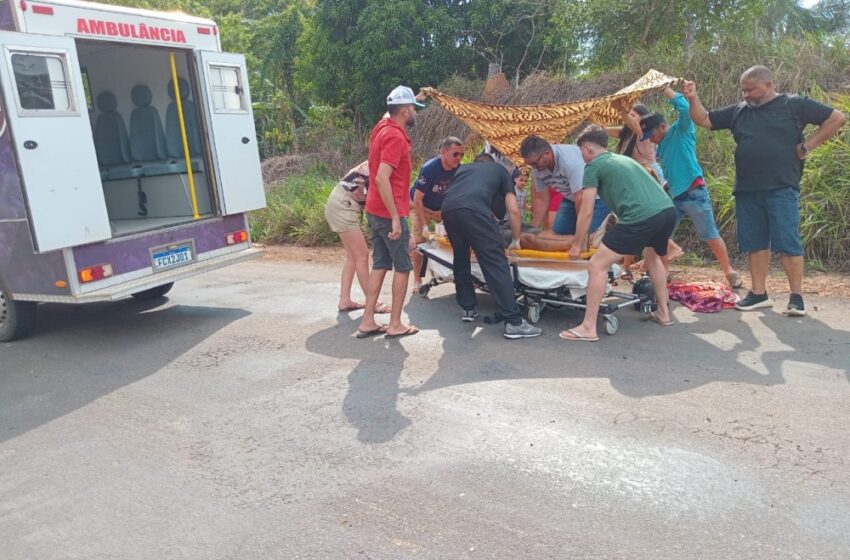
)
(416, 227)
(341, 211)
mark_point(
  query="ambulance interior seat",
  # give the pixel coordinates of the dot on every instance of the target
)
(147, 140)
(173, 137)
(111, 142)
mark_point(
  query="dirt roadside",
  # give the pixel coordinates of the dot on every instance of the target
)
(820, 283)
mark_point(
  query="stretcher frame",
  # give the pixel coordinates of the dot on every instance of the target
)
(536, 300)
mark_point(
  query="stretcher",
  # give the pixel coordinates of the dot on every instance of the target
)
(539, 283)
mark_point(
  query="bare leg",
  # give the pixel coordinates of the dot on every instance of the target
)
(759, 265)
(376, 280)
(718, 247)
(548, 242)
(417, 266)
(356, 261)
(794, 270)
(600, 262)
(399, 290)
(658, 275)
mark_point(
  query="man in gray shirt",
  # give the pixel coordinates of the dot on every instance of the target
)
(561, 167)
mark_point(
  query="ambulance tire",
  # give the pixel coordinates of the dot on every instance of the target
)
(154, 293)
(17, 318)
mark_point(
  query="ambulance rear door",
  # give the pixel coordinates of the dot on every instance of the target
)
(46, 110)
(233, 138)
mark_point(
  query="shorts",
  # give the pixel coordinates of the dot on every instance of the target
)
(769, 220)
(416, 227)
(696, 204)
(555, 198)
(654, 232)
(341, 211)
(388, 254)
(567, 217)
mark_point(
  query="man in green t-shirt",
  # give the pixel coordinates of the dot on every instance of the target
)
(646, 219)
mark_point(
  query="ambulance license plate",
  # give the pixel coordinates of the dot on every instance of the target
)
(172, 256)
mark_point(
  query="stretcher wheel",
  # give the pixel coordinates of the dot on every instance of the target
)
(424, 289)
(612, 324)
(534, 311)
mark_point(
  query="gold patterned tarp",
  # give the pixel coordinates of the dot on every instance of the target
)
(505, 126)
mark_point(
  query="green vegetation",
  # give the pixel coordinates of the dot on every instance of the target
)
(295, 211)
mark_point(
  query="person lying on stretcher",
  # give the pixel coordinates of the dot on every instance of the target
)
(552, 242)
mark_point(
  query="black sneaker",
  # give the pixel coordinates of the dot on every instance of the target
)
(796, 307)
(753, 301)
(469, 315)
(523, 330)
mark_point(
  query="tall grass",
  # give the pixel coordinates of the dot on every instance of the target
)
(295, 211)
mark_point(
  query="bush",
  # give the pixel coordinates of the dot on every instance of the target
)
(295, 211)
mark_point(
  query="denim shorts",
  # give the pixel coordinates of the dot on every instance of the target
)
(696, 204)
(389, 254)
(566, 218)
(769, 220)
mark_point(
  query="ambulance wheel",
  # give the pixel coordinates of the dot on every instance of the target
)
(154, 293)
(612, 324)
(17, 318)
(534, 311)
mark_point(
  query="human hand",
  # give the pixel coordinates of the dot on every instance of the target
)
(802, 150)
(411, 245)
(396, 231)
(515, 244)
(575, 251)
(689, 90)
(426, 232)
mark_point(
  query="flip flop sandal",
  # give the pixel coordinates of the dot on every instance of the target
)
(382, 308)
(409, 332)
(355, 307)
(654, 318)
(374, 332)
(576, 337)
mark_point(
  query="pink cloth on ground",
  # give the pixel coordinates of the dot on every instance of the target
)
(703, 297)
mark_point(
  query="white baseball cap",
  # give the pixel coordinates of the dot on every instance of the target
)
(402, 95)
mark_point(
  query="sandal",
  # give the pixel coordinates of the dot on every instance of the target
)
(409, 331)
(654, 318)
(381, 308)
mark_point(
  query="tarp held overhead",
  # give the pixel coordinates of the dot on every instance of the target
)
(505, 126)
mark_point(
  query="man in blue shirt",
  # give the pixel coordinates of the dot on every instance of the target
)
(427, 194)
(677, 153)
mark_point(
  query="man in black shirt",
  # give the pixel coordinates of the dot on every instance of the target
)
(468, 216)
(771, 147)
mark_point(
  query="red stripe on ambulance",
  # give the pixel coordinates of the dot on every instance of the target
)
(131, 30)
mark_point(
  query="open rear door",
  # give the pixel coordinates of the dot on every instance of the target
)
(48, 117)
(233, 137)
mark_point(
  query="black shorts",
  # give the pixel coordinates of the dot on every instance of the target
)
(655, 232)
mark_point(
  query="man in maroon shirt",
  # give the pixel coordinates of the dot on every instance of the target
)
(387, 207)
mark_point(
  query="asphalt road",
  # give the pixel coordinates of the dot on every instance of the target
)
(240, 419)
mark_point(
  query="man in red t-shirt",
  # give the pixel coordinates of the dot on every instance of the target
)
(387, 207)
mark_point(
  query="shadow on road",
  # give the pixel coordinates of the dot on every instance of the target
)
(643, 359)
(80, 353)
(373, 384)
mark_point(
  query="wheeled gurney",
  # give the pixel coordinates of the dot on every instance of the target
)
(538, 284)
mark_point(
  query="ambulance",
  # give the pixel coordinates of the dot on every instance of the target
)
(128, 154)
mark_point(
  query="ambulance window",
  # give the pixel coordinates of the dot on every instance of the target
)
(42, 82)
(227, 91)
